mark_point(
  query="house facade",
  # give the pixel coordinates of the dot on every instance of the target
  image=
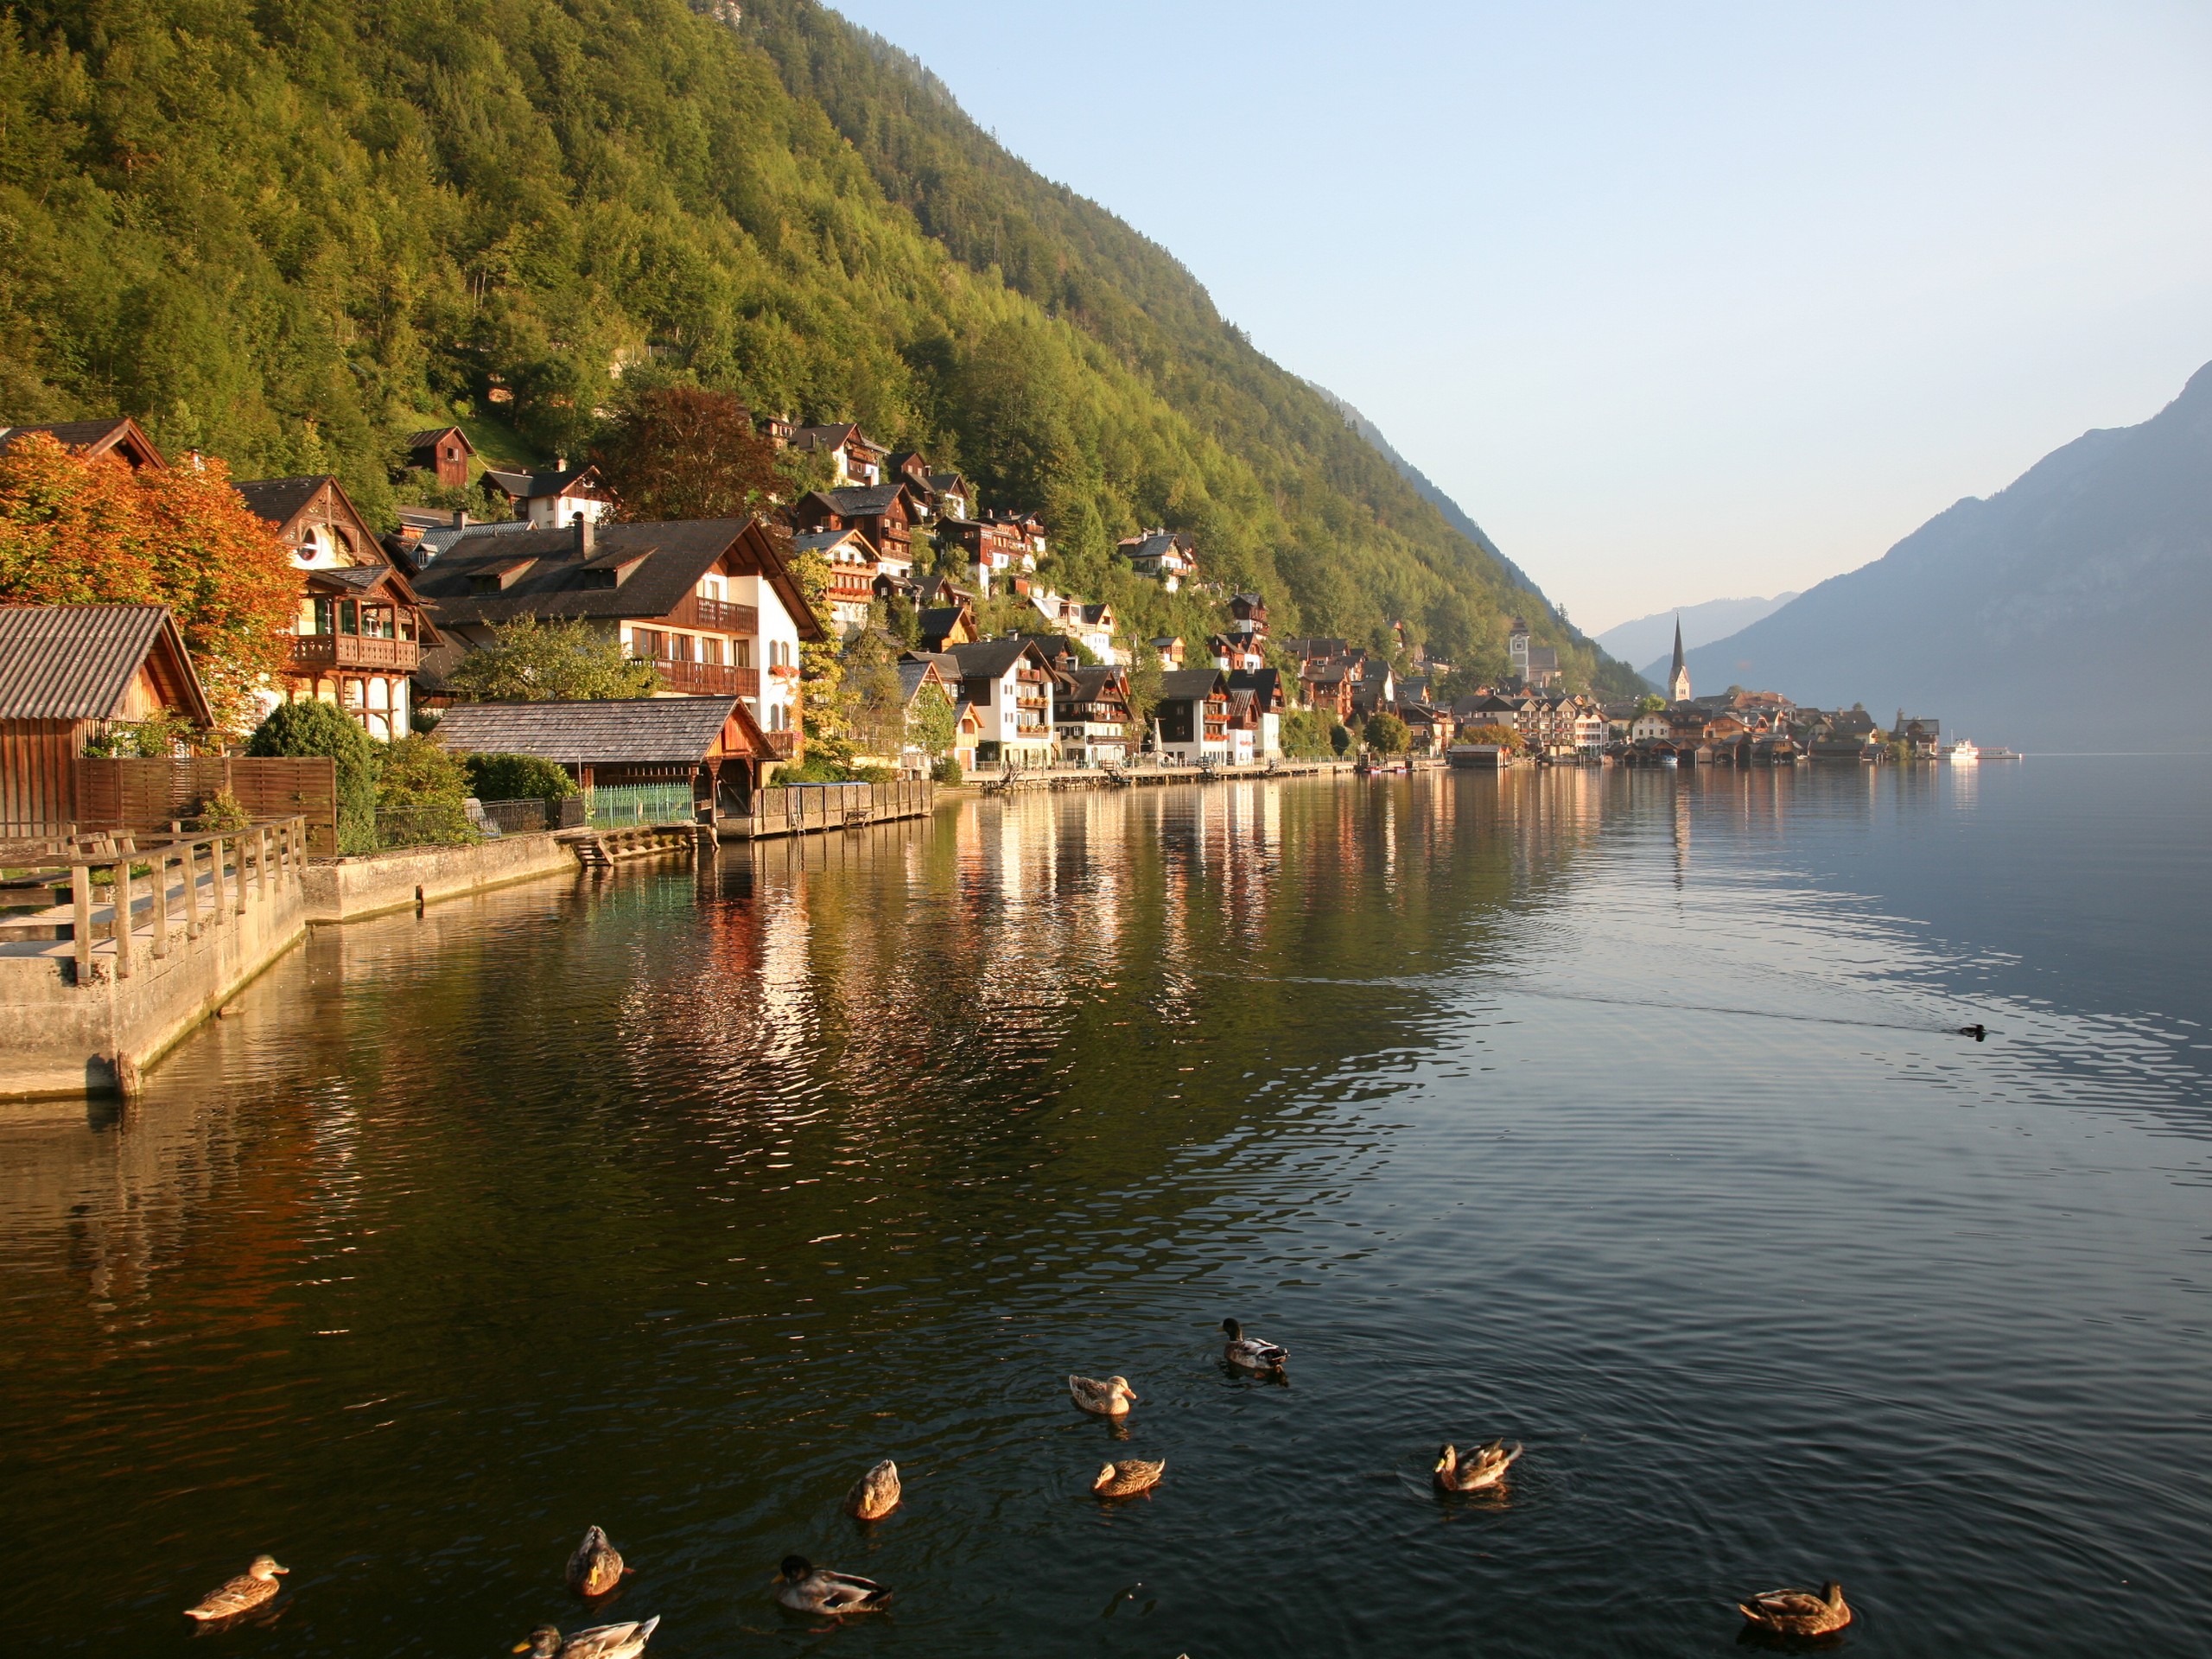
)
(444, 452)
(1169, 557)
(853, 573)
(1010, 685)
(360, 629)
(1090, 715)
(556, 499)
(710, 603)
(857, 459)
(1192, 717)
(1265, 705)
(884, 513)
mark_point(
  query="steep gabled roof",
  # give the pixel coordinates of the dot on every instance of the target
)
(991, 658)
(1179, 683)
(76, 661)
(668, 558)
(430, 436)
(860, 500)
(532, 487)
(123, 437)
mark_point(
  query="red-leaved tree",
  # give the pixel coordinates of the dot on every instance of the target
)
(77, 529)
(685, 452)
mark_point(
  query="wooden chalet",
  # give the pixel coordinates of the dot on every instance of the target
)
(1192, 713)
(944, 626)
(857, 459)
(67, 673)
(856, 578)
(713, 742)
(1266, 704)
(556, 499)
(1248, 615)
(1012, 686)
(361, 629)
(710, 603)
(1092, 715)
(884, 513)
(1169, 556)
(123, 438)
(443, 451)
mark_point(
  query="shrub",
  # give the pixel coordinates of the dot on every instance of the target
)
(221, 814)
(321, 728)
(516, 778)
(1340, 739)
(417, 771)
(1387, 734)
(946, 771)
(873, 774)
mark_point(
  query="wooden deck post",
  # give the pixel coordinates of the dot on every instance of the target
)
(191, 889)
(237, 851)
(121, 925)
(161, 901)
(80, 901)
(215, 858)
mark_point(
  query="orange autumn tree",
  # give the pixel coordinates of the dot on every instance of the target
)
(88, 530)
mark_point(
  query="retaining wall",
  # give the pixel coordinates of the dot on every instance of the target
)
(345, 889)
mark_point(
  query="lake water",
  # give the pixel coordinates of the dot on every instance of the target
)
(1619, 1114)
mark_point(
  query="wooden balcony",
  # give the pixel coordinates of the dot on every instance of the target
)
(323, 654)
(782, 745)
(708, 679)
(714, 616)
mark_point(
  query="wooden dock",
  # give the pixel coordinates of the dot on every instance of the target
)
(812, 809)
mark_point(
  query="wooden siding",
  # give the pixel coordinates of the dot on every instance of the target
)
(38, 779)
(147, 795)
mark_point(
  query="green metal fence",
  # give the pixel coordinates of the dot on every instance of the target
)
(623, 806)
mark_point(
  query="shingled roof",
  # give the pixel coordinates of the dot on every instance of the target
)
(121, 436)
(643, 732)
(76, 661)
(1180, 683)
(565, 579)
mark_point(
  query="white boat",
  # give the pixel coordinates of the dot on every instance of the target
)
(1962, 753)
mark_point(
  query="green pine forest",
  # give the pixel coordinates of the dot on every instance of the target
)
(289, 233)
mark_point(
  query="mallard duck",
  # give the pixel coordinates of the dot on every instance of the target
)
(1249, 1353)
(1484, 1466)
(875, 1494)
(242, 1594)
(596, 1567)
(1798, 1613)
(600, 1641)
(1111, 1398)
(806, 1588)
(1128, 1478)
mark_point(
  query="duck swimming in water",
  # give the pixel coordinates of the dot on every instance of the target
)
(875, 1494)
(1111, 1398)
(1484, 1467)
(1798, 1613)
(1128, 1478)
(805, 1588)
(242, 1594)
(1250, 1353)
(600, 1641)
(596, 1567)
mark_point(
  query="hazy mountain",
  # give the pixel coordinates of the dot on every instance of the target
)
(2069, 610)
(1652, 636)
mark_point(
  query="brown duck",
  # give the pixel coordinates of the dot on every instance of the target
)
(596, 1567)
(1798, 1613)
(1483, 1467)
(242, 1594)
(875, 1494)
(1128, 1478)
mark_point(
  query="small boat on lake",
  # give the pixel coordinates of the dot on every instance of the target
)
(1962, 753)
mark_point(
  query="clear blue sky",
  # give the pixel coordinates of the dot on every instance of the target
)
(1679, 301)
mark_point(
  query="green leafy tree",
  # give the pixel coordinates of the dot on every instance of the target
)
(530, 661)
(821, 663)
(314, 727)
(1387, 734)
(420, 790)
(1306, 734)
(1651, 703)
(516, 778)
(932, 722)
(1144, 692)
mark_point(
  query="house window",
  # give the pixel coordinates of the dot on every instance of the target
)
(742, 650)
(710, 651)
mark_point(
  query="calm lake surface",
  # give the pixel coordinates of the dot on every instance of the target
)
(1616, 1113)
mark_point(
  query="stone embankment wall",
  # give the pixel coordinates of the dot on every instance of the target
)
(346, 889)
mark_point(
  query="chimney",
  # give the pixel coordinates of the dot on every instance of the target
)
(585, 538)
(560, 463)
(460, 518)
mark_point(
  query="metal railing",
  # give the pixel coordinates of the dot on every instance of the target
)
(144, 894)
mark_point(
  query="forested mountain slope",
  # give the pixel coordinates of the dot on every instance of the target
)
(290, 232)
(2069, 610)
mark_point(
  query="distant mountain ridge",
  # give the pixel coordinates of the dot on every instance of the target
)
(2069, 610)
(1651, 640)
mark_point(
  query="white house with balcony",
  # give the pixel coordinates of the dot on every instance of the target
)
(1011, 687)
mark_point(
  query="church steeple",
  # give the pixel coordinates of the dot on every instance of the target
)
(1678, 681)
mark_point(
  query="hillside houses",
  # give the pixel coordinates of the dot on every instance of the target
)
(1171, 556)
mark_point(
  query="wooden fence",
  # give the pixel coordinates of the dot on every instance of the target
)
(144, 797)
